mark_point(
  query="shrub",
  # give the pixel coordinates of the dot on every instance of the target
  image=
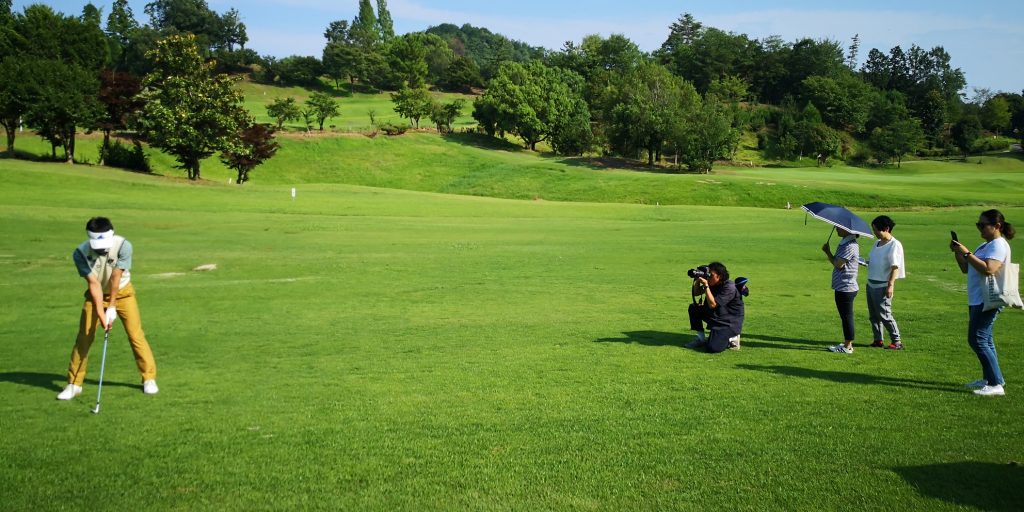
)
(985, 144)
(122, 156)
(393, 129)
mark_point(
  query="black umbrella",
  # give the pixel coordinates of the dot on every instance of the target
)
(839, 217)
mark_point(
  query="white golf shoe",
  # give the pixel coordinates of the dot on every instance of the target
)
(69, 392)
(149, 387)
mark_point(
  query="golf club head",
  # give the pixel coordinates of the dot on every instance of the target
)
(96, 410)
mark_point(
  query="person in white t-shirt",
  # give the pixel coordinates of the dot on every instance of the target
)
(885, 266)
(986, 260)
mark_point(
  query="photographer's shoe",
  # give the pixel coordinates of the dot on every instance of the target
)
(734, 342)
(840, 348)
(878, 344)
(895, 346)
(697, 343)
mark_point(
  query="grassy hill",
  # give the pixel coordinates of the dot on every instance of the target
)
(354, 107)
(472, 164)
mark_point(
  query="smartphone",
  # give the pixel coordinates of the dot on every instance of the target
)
(952, 235)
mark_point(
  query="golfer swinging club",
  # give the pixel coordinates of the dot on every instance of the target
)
(104, 261)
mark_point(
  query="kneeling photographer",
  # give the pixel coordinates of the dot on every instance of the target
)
(721, 308)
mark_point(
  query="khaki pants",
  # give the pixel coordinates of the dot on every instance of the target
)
(128, 312)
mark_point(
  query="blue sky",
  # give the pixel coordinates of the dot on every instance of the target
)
(985, 38)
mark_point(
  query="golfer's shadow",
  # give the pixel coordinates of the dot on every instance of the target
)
(649, 338)
(851, 378)
(51, 381)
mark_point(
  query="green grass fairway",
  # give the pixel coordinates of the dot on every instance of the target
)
(368, 349)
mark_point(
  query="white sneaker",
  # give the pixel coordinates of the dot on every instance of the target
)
(734, 342)
(996, 390)
(149, 387)
(840, 348)
(978, 384)
(70, 392)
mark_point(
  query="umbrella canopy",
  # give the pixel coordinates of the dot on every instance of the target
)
(839, 217)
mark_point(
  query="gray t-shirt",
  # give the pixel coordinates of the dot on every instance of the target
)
(845, 279)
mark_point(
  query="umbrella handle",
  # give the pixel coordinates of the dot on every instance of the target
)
(830, 234)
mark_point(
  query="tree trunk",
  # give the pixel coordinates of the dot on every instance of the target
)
(69, 150)
(105, 150)
(10, 140)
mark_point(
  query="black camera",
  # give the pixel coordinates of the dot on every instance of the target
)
(701, 271)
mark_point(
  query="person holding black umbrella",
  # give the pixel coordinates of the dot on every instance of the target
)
(844, 263)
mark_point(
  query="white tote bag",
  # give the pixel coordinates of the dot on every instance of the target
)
(1003, 289)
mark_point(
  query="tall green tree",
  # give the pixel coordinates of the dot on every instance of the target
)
(407, 62)
(706, 135)
(189, 112)
(92, 15)
(283, 110)
(16, 95)
(64, 97)
(412, 103)
(364, 31)
(45, 34)
(682, 33)
(965, 132)
(932, 111)
(647, 108)
(385, 26)
(341, 61)
(844, 100)
(121, 25)
(995, 114)
(444, 114)
(891, 142)
(323, 107)
(462, 75)
(532, 101)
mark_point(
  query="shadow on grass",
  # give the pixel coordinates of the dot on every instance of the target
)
(980, 485)
(616, 163)
(765, 341)
(852, 378)
(649, 338)
(482, 141)
(51, 381)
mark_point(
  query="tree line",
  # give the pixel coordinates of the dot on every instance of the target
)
(59, 73)
(690, 101)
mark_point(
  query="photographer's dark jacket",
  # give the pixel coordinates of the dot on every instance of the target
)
(730, 310)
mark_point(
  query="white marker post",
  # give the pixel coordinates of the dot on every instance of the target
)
(293, 193)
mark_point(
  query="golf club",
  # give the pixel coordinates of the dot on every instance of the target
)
(103, 364)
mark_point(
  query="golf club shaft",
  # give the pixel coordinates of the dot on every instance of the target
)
(103, 365)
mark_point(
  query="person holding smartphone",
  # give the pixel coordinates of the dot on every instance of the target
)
(987, 259)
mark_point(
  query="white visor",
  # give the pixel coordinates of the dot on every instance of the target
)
(101, 241)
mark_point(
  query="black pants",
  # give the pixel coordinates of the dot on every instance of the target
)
(718, 338)
(844, 304)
